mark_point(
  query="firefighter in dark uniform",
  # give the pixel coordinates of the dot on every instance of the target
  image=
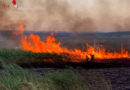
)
(87, 58)
(92, 57)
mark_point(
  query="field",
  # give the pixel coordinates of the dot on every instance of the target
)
(30, 59)
(12, 56)
(13, 77)
(72, 40)
(14, 61)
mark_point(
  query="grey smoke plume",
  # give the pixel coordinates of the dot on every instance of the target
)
(68, 15)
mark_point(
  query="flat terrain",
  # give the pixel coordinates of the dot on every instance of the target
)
(117, 72)
(118, 77)
(72, 39)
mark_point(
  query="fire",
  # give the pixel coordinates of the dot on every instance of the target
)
(34, 44)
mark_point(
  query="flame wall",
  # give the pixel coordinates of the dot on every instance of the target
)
(34, 44)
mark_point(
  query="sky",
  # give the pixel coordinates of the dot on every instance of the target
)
(66, 15)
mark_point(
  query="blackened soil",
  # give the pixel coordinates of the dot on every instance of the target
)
(119, 77)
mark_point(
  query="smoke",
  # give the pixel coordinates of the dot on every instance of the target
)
(68, 15)
(8, 40)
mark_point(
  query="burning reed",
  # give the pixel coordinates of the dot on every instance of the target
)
(34, 44)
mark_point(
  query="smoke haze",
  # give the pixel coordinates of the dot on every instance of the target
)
(68, 15)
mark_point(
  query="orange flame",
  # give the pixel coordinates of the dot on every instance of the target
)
(21, 27)
(34, 44)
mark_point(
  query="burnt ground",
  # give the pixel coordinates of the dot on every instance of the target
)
(111, 63)
(117, 72)
(119, 77)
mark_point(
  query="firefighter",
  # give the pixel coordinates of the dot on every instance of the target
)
(87, 58)
(92, 57)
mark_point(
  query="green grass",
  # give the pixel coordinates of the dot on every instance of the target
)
(14, 77)
(20, 56)
(67, 80)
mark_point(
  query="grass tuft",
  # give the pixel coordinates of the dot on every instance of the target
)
(67, 80)
(13, 77)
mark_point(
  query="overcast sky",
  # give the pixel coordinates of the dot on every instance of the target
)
(67, 15)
